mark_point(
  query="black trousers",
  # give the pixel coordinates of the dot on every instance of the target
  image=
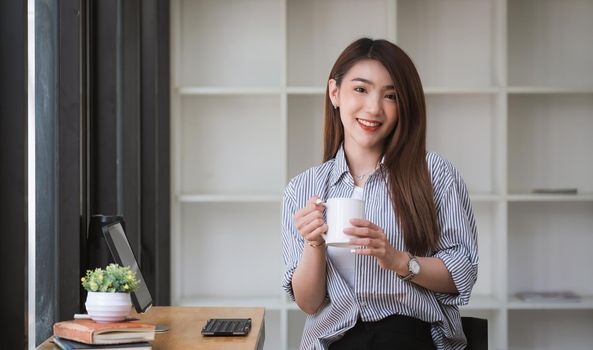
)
(395, 332)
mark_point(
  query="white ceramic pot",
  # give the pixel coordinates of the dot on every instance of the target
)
(108, 307)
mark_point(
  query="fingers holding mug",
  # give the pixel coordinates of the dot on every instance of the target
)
(310, 222)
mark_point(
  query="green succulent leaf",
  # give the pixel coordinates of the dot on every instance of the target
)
(112, 279)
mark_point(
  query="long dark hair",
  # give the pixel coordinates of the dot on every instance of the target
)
(404, 165)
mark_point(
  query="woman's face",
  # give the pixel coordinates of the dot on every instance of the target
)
(367, 105)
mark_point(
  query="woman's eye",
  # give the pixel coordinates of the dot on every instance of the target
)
(360, 89)
(390, 97)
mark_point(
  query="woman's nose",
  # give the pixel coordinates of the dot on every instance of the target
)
(373, 105)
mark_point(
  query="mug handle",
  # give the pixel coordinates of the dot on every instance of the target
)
(322, 202)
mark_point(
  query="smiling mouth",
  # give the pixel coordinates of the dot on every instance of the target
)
(368, 124)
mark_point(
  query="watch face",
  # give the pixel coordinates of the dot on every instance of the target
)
(414, 266)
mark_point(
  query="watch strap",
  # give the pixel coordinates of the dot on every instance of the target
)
(410, 274)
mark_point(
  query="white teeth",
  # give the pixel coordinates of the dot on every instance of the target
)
(368, 123)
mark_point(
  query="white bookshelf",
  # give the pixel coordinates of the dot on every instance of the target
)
(509, 94)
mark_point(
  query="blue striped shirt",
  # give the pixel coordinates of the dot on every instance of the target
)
(377, 292)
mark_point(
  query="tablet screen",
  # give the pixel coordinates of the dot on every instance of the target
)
(123, 255)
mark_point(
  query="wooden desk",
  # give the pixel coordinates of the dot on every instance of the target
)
(186, 323)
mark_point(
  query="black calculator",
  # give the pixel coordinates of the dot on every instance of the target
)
(226, 326)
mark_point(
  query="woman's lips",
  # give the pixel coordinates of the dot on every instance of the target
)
(369, 125)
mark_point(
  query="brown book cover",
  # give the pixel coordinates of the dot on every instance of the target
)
(91, 332)
(67, 344)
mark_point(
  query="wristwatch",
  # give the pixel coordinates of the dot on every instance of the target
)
(413, 268)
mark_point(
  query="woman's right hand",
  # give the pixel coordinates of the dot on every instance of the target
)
(309, 221)
(310, 275)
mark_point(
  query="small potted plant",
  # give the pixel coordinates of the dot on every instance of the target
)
(108, 298)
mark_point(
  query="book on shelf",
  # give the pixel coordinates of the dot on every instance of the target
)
(91, 332)
(66, 344)
(553, 296)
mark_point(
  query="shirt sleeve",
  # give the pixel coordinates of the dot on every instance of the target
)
(458, 248)
(292, 242)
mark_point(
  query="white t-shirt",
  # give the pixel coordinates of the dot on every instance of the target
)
(341, 257)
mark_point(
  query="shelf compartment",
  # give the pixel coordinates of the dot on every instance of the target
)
(477, 197)
(306, 90)
(219, 48)
(218, 242)
(586, 302)
(270, 303)
(291, 305)
(305, 132)
(550, 329)
(227, 91)
(549, 43)
(489, 242)
(200, 198)
(273, 330)
(546, 238)
(481, 302)
(318, 31)
(305, 135)
(530, 197)
(428, 90)
(547, 90)
(472, 153)
(433, 90)
(437, 34)
(296, 323)
(231, 146)
(549, 142)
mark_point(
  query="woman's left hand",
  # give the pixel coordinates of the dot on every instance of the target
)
(373, 242)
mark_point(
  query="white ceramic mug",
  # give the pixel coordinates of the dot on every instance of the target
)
(338, 212)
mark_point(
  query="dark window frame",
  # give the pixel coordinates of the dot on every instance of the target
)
(76, 177)
(13, 172)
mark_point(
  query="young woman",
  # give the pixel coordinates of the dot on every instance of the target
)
(416, 253)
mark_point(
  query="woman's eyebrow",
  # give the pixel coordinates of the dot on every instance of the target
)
(366, 81)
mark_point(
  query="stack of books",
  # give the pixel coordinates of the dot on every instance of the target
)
(88, 334)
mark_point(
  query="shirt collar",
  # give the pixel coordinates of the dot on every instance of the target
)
(341, 166)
